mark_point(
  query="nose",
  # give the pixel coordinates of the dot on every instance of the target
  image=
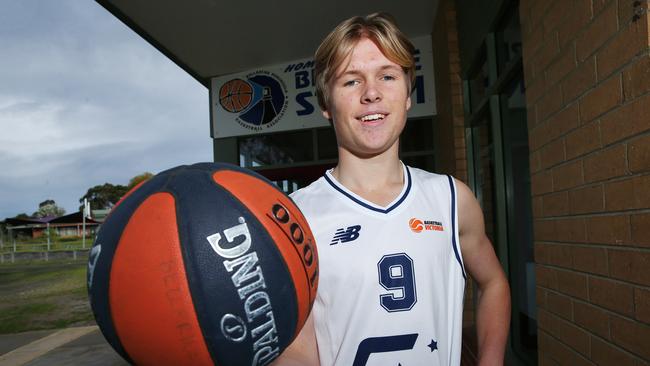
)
(371, 93)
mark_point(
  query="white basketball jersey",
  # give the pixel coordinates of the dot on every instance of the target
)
(391, 278)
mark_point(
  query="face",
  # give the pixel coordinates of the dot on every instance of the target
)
(368, 101)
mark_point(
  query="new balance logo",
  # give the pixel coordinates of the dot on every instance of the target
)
(345, 235)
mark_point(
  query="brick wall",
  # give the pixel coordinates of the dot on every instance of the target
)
(587, 73)
(451, 155)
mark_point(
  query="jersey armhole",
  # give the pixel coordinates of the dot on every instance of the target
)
(455, 241)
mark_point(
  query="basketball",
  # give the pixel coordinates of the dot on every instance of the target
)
(206, 264)
(235, 95)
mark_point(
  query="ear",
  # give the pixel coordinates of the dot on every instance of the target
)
(408, 102)
(326, 114)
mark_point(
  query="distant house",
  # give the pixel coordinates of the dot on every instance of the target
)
(64, 226)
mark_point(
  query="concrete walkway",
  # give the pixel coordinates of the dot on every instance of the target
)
(71, 346)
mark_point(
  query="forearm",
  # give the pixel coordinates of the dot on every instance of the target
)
(493, 322)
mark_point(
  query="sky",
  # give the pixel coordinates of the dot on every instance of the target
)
(84, 101)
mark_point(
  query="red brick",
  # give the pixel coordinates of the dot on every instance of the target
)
(626, 11)
(627, 43)
(540, 251)
(611, 229)
(547, 52)
(560, 305)
(556, 13)
(572, 283)
(556, 204)
(604, 97)
(640, 227)
(531, 44)
(545, 230)
(580, 80)
(612, 295)
(531, 115)
(570, 230)
(560, 353)
(550, 103)
(586, 200)
(572, 336)
(540, 297)
(547, 277)
(546, 360)
(633, 336)
(534, 23)
(535, 88)
(568, 175)
(591, 318)
(631, 193)
(578, 18)
(557, 70)
(589, 259)
(636, 78)
(553, 153)
(629, 120)
(541, 183)
(558, 255)
(537, 206)
(564, 121)
(606, 164)
(537, 136)
(583, 140)
(638, 154)
(599, 5)
(600, 30)
(603, 353)
(534, 162)
(630, 265)
(642, 305)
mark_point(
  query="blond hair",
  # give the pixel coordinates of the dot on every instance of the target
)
(337, 46)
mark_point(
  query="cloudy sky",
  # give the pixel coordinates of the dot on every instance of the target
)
(84, 101)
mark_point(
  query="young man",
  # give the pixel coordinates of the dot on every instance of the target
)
(394, 242)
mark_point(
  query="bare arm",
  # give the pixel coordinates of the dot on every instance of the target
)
(303, 351)
(493, 312)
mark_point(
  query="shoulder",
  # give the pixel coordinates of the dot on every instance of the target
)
(310, 194)
(470, 215)
(420, 176)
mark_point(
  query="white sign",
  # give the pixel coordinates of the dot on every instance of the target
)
(283, 97)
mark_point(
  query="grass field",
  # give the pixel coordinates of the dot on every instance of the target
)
(43, 295)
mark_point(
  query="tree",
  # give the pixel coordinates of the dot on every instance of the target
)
(103, 196)
(137, 179)
(48, 208)
(22, 216)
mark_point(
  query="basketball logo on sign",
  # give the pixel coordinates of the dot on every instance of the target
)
(235, 95)
(260, 101)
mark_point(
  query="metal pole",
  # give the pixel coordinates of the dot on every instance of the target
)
(48, 236)
(83, 231)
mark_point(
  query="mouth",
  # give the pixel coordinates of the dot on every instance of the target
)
(373, 117)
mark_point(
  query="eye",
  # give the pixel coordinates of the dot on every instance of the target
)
(388, 77)
(351, 83)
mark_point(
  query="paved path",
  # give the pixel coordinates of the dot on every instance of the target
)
(71, 346)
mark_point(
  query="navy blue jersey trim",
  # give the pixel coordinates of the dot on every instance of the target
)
(453, 224)
(380, 210)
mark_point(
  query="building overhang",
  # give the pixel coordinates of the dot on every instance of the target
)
(209, 38)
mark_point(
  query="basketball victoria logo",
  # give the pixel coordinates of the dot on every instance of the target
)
(260, 101)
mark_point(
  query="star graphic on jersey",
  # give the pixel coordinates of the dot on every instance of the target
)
(433, 345)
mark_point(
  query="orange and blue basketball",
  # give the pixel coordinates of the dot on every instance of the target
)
(235, 95)
(206, 264)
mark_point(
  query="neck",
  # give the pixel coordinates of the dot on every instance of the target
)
(378, 178)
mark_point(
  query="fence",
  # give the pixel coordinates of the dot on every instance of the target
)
(12, 250)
